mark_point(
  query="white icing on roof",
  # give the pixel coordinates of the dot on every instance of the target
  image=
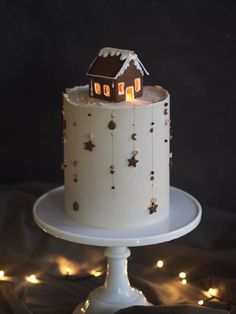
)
(126, 55)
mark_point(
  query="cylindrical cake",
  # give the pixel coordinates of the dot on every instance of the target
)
(116, 158)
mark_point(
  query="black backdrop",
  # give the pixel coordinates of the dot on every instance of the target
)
(187, 46)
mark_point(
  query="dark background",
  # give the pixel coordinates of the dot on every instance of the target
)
(187, 46)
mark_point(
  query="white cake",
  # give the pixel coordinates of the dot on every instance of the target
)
(116, 158)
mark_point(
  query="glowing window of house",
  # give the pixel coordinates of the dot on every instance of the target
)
(137, 84)
(106, 90)
(97, 88)
(121, 88)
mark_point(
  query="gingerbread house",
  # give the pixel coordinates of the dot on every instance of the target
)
(116, 75)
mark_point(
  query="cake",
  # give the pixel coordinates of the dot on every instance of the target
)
(116, 145)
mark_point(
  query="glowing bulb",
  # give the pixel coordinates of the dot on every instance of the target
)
(212, 291)
(2, 274)
(182, 275)
(32, 279)
(68, 271)
(95, 273)
(160, 263)
(184, 281)
(200, 302)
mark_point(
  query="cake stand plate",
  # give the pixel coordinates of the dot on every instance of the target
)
(116, 293)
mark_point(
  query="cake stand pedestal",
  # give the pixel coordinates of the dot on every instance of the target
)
(116, 293)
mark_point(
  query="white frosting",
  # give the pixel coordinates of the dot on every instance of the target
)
(126, 205)
(104, 52)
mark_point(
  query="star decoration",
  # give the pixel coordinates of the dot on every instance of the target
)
(89, 145)
(152, 208)
(132, 161)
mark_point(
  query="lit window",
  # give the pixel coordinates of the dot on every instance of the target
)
(97, 88)
(121, 88)
(106, 90)
(137, 83)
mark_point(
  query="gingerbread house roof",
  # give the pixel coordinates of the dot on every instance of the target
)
(112, 62)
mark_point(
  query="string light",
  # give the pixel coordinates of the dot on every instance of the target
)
(213, 292)
(68, 271)
(182, 275)
(32, 279)
(95, 273)
(210, 295)
(184, 281)
(160, 263)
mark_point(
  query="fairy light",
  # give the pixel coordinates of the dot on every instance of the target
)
(2, 274)
(182, 275)
(184, 281)
(160, 263)
(68, 271)
(32, 279)
(95, 273)
(200, 302)
(213, 292)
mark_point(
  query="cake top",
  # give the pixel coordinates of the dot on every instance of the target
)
(79, 96)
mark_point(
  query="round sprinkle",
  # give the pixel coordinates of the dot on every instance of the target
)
(151, 130)
(89, 114)
(152, 172)
(166, 141)
(113, 188)
(75, 206)
(112, 125)
(166, 104)
(152, 178)
(152, 123)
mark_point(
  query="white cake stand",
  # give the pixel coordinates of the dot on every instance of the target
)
(116, 293)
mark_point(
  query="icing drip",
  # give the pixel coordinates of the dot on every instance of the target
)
(104, 52)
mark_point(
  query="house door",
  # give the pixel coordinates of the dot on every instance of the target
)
(129, 93)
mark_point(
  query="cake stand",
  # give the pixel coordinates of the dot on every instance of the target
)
(116, 293)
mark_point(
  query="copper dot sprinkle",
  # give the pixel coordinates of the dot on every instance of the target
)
(165, 111)
(152, 178)
(75, 206)
(112, 125)
(151, 130)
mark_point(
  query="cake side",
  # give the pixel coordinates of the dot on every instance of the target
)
(116, 159)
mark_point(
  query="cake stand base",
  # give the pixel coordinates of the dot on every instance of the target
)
(116, 293)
